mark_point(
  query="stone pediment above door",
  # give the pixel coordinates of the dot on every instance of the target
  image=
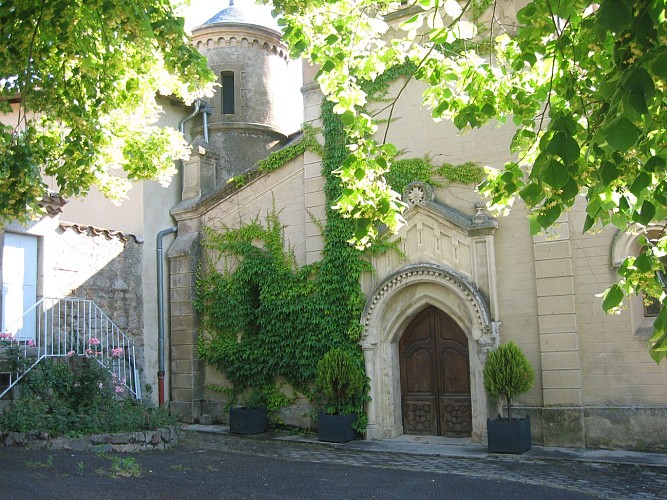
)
(440, 234)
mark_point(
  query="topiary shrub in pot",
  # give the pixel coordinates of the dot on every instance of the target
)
(508, 373)
(342, 383)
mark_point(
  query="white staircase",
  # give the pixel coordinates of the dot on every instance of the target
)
(61, 328)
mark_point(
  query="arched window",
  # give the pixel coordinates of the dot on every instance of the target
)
(652, 305)
(643, 309)
(228, 96)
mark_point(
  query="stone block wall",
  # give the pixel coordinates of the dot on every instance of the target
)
(127, 442)
(100, 265)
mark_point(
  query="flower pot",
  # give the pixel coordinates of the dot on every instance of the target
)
(509, 436)
(244, 420)
(336, 428)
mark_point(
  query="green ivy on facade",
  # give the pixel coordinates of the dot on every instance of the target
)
(263, 316)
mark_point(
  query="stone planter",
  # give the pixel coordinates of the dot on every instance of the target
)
(244, 420)
(509, 436)
(336, 428)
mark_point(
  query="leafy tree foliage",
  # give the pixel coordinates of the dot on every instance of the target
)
(82, 77)
(583, 82)
(508, 373)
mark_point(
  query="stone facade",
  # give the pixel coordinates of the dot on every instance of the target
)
(91, 263)
(595, 383)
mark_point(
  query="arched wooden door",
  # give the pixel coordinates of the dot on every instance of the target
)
(435, 376)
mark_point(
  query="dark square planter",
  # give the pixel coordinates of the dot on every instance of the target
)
(336, 428)
(507, 436)
(244, 420)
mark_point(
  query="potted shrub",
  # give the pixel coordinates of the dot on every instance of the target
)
(508, 373)
(342, 383)
(252, 418)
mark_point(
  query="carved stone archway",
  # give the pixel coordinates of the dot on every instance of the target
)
(390, 308)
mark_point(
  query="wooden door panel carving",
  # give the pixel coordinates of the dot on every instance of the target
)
(435, 376)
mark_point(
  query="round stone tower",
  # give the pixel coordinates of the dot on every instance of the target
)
(249, 119)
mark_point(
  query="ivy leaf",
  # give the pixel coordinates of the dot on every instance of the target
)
(569, 191)
(331, 39)
(660, 327)
(327, 67)
(643, 263)
(659, 66)
(588, 223)
(555, 174)
(637, 101)
(654, 164)
(525, 15)
(614, 15)
(564, 146)
(609, 173)
(414, 23)
(642, 181)
(548, 216)
(621, 133)
(348, 118)
(639, 81)
(535, 226)
(440, 109)
(361, 230)
(532, 194)
(612, 298)
(645, 214)
(563, 8)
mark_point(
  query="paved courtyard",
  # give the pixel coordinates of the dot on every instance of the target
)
(219, 465)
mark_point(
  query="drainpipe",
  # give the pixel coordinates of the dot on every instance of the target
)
(200, 107)
(160, 313)
(207, 110)
(181, 124)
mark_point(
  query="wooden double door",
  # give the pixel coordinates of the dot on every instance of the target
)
(435, 376)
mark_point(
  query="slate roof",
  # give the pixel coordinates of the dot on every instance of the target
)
(247, 13)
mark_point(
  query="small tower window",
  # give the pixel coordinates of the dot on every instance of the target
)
(228, 93)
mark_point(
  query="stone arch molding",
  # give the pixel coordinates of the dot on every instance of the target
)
(388, 311)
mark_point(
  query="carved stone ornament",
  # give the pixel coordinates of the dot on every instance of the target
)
(417, 193)
(489, 340)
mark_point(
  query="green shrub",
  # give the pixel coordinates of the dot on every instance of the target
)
(342, 381)
(508, 373)
(75, 397)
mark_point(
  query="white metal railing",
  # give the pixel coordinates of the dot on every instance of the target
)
(66, 327)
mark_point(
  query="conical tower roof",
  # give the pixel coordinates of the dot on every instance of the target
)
(246, 13)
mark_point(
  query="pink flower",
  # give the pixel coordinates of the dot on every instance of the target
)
(31, 343)
(117, 352)
(89, 352)
(94, 341)
(70, 354)
(119, 390)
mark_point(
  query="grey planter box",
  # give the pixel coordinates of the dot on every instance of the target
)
(244, 420)
(507, 436)
(336, 428)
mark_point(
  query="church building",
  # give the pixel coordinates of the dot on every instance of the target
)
(453, 285)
